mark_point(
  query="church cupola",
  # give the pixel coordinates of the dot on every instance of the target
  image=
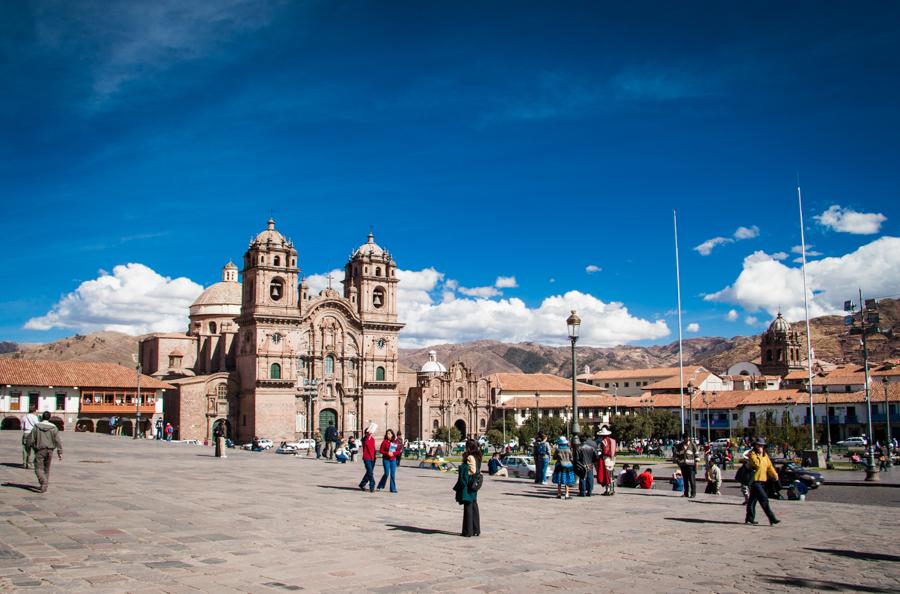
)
(270, 273)
(370, 281)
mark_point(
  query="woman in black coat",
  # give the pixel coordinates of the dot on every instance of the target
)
(469, 468)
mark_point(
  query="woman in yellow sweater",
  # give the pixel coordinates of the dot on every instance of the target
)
(762, 470)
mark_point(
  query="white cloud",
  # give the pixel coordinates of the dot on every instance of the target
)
(740, 234)
(746, 232)
(732, 315)
(693, 327)
(552, 280)
(506, 282)
(769, 285)
(846, 220)
(810, 252)
(780, 256)
(511, 320)
(133, 299)
(592, 268)
(317, 282)
(481, 292)
(751, 320)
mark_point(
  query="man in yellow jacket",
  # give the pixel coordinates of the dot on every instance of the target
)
(762, 470)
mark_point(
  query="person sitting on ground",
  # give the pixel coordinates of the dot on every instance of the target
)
(340, 453)
(620, 481)
(677, 481)
(645, 479)
(713, 479)
(495, 466)
(629, 479)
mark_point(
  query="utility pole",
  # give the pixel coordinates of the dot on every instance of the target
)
(868, 312)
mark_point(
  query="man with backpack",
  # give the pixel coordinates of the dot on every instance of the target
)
(685, 456)
(331, 438)
(541, 459)
(43, 439)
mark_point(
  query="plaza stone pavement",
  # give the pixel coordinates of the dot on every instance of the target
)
(125, 516)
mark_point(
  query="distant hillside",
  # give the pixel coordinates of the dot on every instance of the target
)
(108, 347)
(830, 341)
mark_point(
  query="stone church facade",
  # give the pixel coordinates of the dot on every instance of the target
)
(266, 358)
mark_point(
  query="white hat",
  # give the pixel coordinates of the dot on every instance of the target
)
(605, 431)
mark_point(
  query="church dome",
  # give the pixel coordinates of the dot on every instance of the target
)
(432, 366)
(270, 235)
(779, 325)
(223, 293)
(370, 248)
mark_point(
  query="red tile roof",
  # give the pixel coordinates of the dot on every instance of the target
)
(538, 382)
(28, 372)
(584, 401)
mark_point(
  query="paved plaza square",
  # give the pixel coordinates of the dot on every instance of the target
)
(125, 516)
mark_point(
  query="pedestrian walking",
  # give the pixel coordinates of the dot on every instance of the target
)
(368, 447)
(763, 470)
(587, 455)
(468, 482)
(28, 423)
(713, 478)
(401, 445)
(541, 459)
(744, 476)
(317, 438)
(113, 425)
(606, 464)
(563, 470)
(685, 456)
(169, 431)
(388, 451)
(331, 438)
(43, 439)
(159, 429)
(219, 436)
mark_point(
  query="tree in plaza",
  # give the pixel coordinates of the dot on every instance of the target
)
(552, 427)
(441, 434)
(512, 429)
(662, 424)
(627, 428)
(495, 438)
(780, 432)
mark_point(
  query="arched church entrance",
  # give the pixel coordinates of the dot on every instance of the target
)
(225, 425)
(461, 426)
(11, 423)
(326, 416)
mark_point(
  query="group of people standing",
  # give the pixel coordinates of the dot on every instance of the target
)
(40, 438)
(577, 463)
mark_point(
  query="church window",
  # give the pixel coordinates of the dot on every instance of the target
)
(483, 424)
(379, 374)
(329, 391)
(277, 261)
(436, 425)
(778, 355)
(378, 271)
(212, 327)
(301, 364)
(329, 365)
(275, 371)
(378, 297)
(276, 338)
(222, 392)
(769, 355)
(276, 289)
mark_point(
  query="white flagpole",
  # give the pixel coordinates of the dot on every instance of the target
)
(680, 350)
(809, 363)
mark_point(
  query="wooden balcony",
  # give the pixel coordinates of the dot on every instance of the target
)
(106, 408)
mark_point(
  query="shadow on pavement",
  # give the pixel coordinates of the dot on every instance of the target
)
(13, 465)
(31, 488)
(821, 585)
(857, 554)
(418, 530)
(535, 495)
(339, 488)
(702, 521)
(717, 502)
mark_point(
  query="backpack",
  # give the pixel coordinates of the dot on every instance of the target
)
(580, 468)
(475, 482)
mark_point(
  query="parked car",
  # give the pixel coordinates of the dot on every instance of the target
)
(264, 444)
(788, 472)
(853, 442)
(296, 447)
(722, 442)
(522, 466)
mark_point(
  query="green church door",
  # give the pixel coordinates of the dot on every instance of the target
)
(327, 416)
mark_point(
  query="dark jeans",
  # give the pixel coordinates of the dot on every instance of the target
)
(369, 477)
(390, 467)
(689, 472)
(318, 450)
(42, 460)
(758, 493)
(586, 485)
(471, 519)
(540, 469)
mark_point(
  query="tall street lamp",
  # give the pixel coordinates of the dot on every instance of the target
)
(827, 428)
(887, 420)
(573, 322)
(537, 398)
(707, 400)
(137, 402)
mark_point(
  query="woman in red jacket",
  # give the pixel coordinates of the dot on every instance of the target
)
(389, 453)
(368, 447)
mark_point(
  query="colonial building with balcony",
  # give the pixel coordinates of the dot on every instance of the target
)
(80, 396)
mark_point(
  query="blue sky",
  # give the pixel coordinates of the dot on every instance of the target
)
(479, 140)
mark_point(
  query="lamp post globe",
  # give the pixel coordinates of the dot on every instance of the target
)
(574, 323)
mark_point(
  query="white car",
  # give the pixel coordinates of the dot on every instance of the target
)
(522, 467)
(296, 447)
(853, 442)
(265, 444)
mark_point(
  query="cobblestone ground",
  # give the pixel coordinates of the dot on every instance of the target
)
(122, 516)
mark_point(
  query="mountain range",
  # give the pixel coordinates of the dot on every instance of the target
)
(831, 342)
